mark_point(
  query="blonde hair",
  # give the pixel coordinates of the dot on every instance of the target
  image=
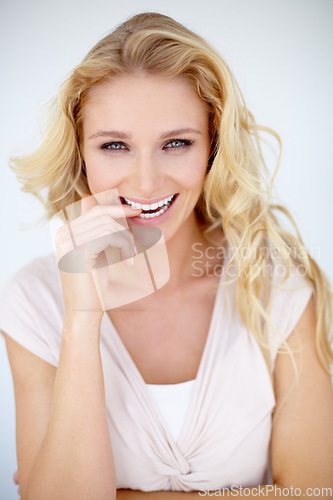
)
(237, 189)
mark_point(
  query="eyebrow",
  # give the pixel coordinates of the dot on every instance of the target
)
(123, 135)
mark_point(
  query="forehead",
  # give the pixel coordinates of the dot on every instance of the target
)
(137, 100)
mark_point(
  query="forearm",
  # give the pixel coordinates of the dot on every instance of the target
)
(75, 459)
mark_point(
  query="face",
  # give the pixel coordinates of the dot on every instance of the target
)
(148, 137)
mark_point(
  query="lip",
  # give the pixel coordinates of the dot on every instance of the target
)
(145, 201)
(139, 221)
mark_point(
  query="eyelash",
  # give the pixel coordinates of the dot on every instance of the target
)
(186, 143)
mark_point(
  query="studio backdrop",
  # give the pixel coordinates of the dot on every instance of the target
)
(281, 53)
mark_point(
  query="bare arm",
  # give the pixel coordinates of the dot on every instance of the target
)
(302, 434)
(63, 443)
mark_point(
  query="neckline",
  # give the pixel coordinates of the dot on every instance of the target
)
(141, 388)
(131, 365)
(178, 384)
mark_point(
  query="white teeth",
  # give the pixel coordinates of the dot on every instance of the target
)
(149, 207)
(155, 214)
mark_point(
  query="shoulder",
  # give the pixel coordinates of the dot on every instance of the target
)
(287, 279)
(31, 308)
(40, 271)
(286, 283)
(288, 294)
(38, 281)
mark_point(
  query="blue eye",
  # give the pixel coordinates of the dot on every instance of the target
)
(121, 146)
(114, 146)
(178, 143)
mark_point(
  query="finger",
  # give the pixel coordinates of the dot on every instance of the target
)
(96, 235)
(116, 211)
(93, 226)
(93, 229)
(98, 219)
(99, 222)
(130, 211)
(98, 216)
(114, 239)
(88, 202)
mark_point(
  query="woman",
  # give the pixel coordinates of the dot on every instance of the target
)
(153, 116)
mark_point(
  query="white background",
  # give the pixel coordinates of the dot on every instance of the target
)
(281, 54)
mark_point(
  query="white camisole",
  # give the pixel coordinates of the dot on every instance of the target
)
(173, 401)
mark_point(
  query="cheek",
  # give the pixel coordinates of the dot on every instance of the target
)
(100, 178)
(95, 182)
(191, 173)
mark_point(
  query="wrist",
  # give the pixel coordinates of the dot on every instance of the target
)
(82, 323)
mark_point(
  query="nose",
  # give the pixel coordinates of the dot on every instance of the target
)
(146, 176)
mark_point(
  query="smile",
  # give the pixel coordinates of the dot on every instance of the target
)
(153, 210)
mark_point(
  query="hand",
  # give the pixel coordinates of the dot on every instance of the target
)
(81, 247)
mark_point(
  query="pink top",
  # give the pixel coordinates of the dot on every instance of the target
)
(224, 439)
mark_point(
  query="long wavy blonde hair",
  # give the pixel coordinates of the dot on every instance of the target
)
(237, 190)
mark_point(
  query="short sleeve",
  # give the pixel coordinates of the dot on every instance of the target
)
(288, 302)
(31, 309)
